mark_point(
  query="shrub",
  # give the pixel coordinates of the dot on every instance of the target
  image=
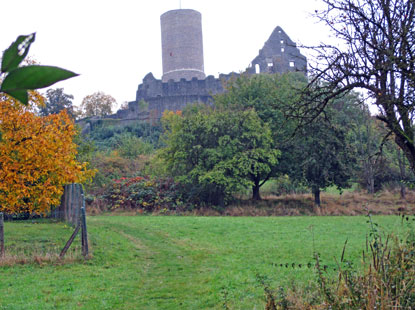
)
(130, 146)
(145, 195)
(112, 166)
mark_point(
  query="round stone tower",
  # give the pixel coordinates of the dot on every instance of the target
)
(182, 45)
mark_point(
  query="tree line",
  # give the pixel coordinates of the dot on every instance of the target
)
(247, 137)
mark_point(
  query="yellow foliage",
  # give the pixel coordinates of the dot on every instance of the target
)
(37, 157)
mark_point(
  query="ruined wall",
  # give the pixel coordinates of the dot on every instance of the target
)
(279, 54)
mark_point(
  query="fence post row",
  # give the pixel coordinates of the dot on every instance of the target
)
(72, 209)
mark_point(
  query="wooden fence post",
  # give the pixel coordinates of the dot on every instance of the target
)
(1, 234)
(85, 249)
(71, 204)
(76, 212)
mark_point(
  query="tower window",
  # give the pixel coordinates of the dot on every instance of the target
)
(292, 64)
(282, 50)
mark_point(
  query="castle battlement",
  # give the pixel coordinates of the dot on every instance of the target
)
(152, 87)
(159, 96)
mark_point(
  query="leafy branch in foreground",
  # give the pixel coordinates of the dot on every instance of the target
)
(19, 80)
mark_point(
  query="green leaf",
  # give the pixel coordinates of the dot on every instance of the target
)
(20, 95)
(17, 51)
(34, 77)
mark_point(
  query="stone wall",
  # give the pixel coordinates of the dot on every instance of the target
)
(160, 96)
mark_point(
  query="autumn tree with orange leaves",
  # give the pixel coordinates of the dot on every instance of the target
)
(37, 157)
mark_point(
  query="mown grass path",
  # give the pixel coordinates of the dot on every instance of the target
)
(149, 262)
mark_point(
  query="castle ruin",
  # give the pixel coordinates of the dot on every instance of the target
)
(184, 81)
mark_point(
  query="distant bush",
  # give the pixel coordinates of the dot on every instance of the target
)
(284, 185)
(112, 166)
(130, 146)
(146, 195)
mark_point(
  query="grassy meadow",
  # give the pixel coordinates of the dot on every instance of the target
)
(158, 262)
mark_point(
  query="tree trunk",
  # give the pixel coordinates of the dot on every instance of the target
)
(255, 191)
(408, 149)
(316, 193)
(217, 197)
(401, 162)
(370, 178)
(403, 191)
(369, 162)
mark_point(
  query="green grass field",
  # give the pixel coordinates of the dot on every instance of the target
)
(149, 262)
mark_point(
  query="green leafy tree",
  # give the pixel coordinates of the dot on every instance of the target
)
(324, 150)
(97, 104)
(56, 101)
(271, 96)
(216, 152)
(325, 156)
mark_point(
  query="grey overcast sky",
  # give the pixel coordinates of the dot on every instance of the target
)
(114, 44)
